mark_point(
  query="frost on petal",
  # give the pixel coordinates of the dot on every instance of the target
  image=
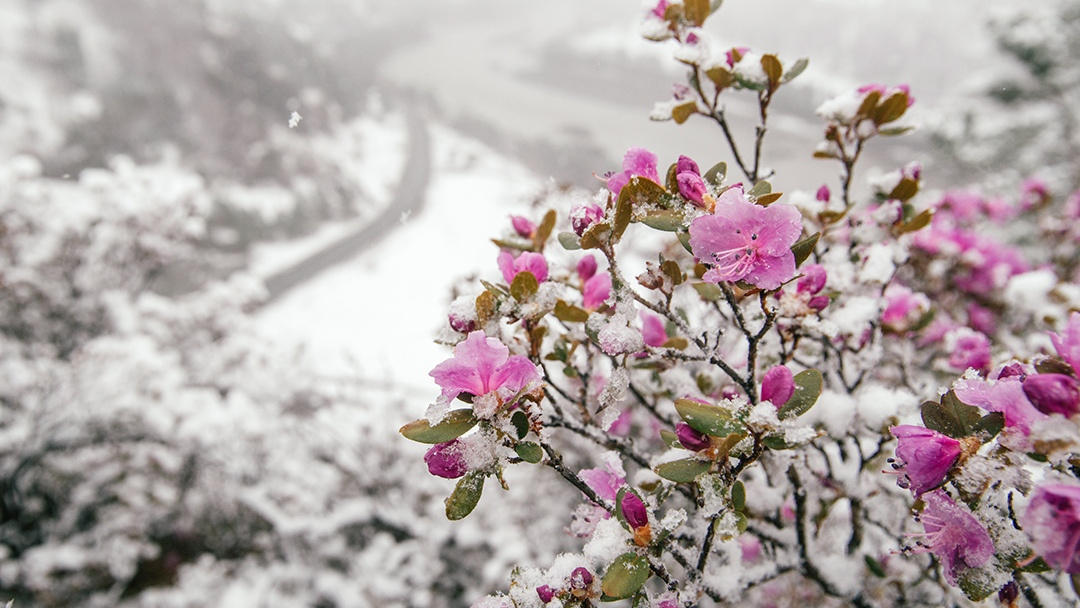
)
(514, 375)
(605, 481)
(744, 241)
(1005, 395)
(954, 535)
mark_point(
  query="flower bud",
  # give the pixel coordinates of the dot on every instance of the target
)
(546, 593)
(446, 460)
(686, 164)
(777, 386)
(823, 195)
(818, 303)
(583, 216)
(691, 439)
(1012, 370)
(580, 581)
(813, 279)
(1053, 393)
(523, 226)
(1009, 593)
(586, 268)
(634, 511)
(692, 187)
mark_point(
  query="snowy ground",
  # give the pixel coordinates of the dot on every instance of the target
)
(376, 317)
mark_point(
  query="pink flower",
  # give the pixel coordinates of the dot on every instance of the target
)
(446, 460)
(1067, 343)
(638, 162)
(823, 195)
(813, 279)
(735, 54)
(1052, 520)
(586, 268)
(1034, 192)
(652, 330)
(692, 439)
(969, 349)
(744, 241)
(596, 291)
(903, 308)
(749, 547)
(523, 226)
(483, 365)
(924, 456)
(981, 319)
(953, 535)
(528, 261)
(1005, 395)
(1053, 393)
(605, 481)
(777, 386)
(634, 511)
(584, 216)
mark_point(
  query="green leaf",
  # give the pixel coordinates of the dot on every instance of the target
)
(671, 269)
(523, 286)
(682, 112)
(625, 576)
(950, 417)
(665, 220)
(804, 247)
(515, 245)
(738, 496)
(521, 424)
(721, 77)
(684, 470)
(808, 385)
(568, 313)
(670, 439)
(749, 84)
(868, 103)
(975, 584)
(767, 199)
(543, 231)
(671, 178)
(707, 418)
(893, 131)
(906, 189)
(696, 11)
(773, 69)
(716, 174)
(529, 452)
(890, 109)
(466, 496)
(1054, 366)
(709, 291)
(454, 425)
(991, 424)
(777, 442)
(684, 239)
(569, 241)
(795, 69)
(591, 238)
(920, 221)
(761, 188)
(874, 566)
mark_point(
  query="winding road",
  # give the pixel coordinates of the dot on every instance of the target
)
(409, 199)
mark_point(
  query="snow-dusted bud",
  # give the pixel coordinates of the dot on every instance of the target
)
(446, 460)
(690, 438)
(546, 593)
(1053, 393)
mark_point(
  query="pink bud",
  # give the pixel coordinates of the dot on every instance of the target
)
(1053, 393)
(690, 438)
(586, 268)
(735, 55)
(813, 279)
(546, 593)
(692, 187)
(462, 324)
(634, 511)
(581, 578)
(523, 226)
(823, 194)
(446, 460)
(685, 164)
(653, 331)
(583, 216)
(777, 386)
(818, 303)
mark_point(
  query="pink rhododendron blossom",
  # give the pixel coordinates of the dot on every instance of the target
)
(638, 162)
(924, 457)
(1052, 520)
(742, 241)
(691, 439)
(813, 279)
(596, 291)
(969, 349)
(1005, 395)
(777, 385)
(1053, 393)
(523, 226)
(584, 216)
(652, 330)
(1067, 343)
(903, 308)
(528, 261)
(634, 511)
(586, 268)
(1034, 192)
(953, 535)
(483, 365)
(605, 481)
(447, 460)
(981, 319)
(823, 195)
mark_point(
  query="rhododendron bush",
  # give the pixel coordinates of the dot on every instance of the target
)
(861, 396)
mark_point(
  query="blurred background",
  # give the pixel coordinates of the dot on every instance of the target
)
(229, 231)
